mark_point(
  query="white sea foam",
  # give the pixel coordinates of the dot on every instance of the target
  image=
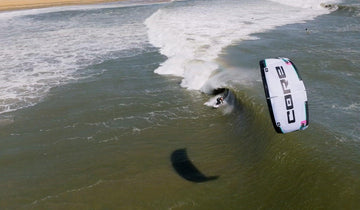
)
(45, 49)
(309, 4)
(353, 107)
(108, 5)
(193, 34)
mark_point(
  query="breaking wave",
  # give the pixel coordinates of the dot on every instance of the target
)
(192, 34)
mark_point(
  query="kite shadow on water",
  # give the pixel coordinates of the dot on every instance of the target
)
(184, 167)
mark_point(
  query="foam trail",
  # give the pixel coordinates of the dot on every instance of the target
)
(45, 48)
(193, 34)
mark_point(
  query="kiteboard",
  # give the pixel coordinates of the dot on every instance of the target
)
(285, 94)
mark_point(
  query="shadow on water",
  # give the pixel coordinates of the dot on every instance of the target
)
(184, 167)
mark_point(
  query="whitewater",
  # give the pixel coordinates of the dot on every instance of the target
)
(46, 55)
(39, 54)
(193, 38)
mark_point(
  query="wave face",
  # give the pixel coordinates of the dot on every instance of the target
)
(193, 34)
(352, 10)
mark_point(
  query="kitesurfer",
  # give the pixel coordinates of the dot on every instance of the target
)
(219, 100)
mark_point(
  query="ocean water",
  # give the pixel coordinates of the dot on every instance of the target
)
(109, 106)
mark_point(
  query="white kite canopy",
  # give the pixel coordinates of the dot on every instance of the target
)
(286, 95)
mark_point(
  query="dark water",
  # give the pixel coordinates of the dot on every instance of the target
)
(86, 123)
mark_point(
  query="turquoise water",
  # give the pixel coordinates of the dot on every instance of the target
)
(97, 103)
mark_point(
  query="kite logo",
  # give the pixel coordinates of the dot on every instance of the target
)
(287, 92)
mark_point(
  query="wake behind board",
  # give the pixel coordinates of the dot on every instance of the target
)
(285, 94)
